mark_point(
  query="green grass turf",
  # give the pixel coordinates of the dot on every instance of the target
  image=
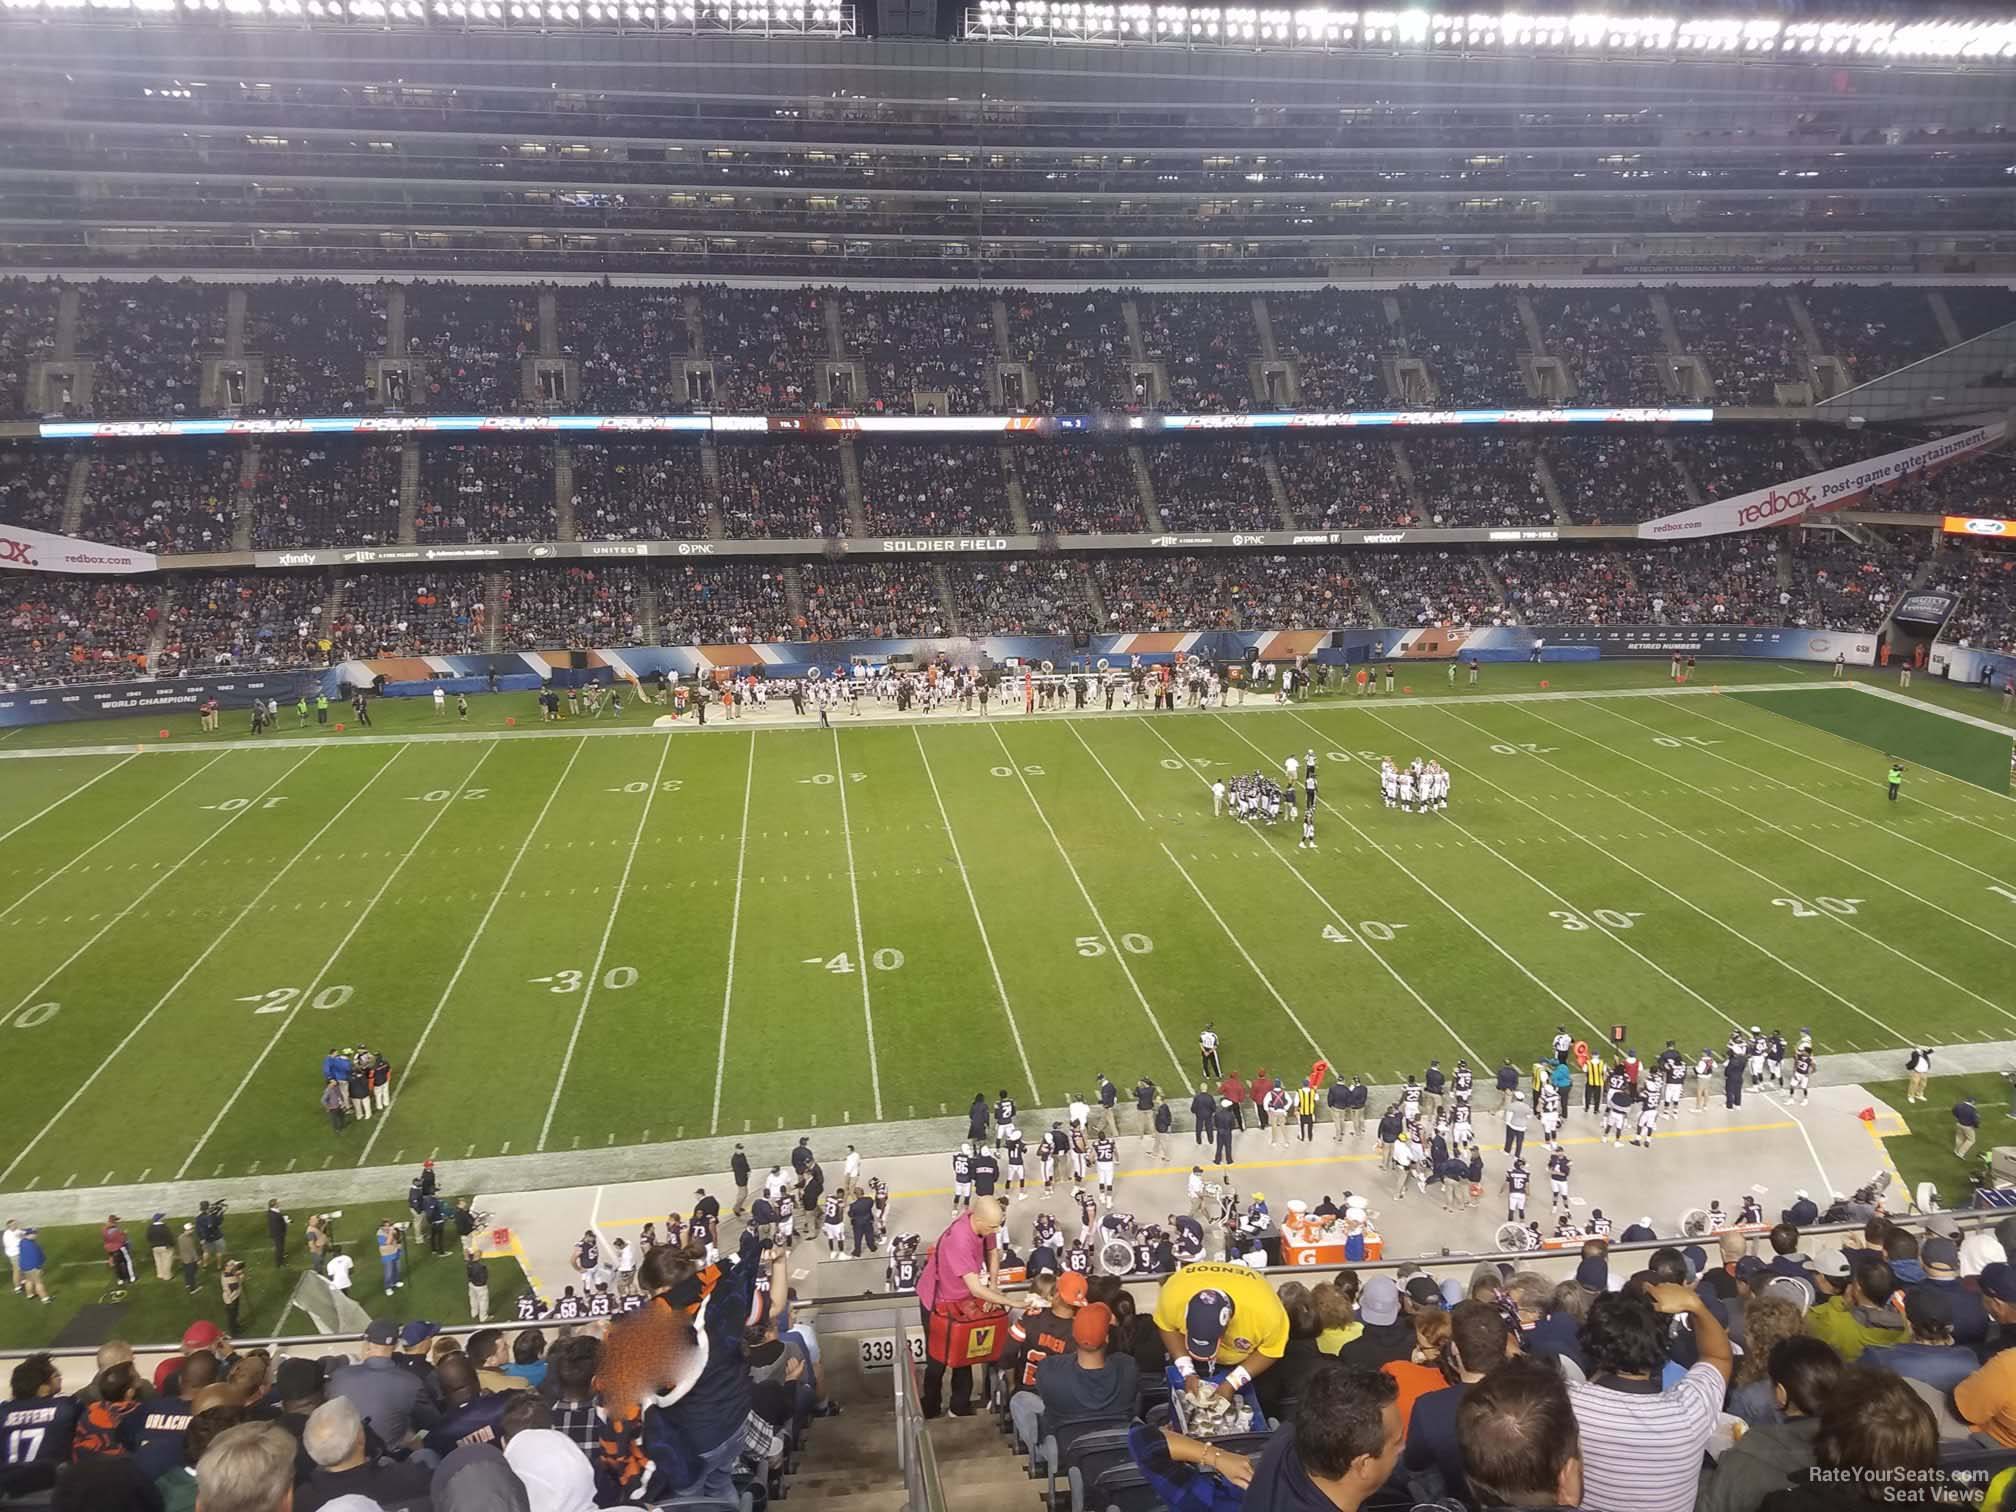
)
(1926, 1153)
(207, 924)
(154, 1310)
(1918, 737)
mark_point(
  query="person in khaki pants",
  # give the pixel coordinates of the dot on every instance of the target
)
(161, 1242)
(478, 1276)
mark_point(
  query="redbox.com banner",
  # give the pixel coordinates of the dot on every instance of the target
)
(27, 550)
(1836, 488)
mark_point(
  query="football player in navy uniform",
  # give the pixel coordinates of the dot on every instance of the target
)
(1802, 1074)
(1018, 1168)
(962, 1177)
(1517, 1180)
(986, 1171)
(1558, 1167)
(1104, 1153)
(904, 1266)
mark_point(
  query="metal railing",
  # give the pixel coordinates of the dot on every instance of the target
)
(916, 1456)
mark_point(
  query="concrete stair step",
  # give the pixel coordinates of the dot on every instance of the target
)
(890, 1500)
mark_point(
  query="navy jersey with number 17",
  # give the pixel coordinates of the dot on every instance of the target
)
(37, 1430)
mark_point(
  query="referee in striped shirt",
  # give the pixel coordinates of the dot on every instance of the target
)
(1305, 1111)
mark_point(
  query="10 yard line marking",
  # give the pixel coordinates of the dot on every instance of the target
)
(71, 1101)
(602, 950)
(860, 944)
(315, 983)
(986, 944)
(1349, 930)
(51, 808)
(1877, 940)
(469, 951)
(112, 832)
(734, 933)
(1112, 945)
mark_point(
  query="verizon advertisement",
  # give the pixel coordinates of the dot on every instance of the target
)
(27, 550)
(1782, 503)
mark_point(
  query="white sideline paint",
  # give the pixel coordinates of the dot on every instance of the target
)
(1343, 924)
(109, 834)
(88, 782)
(1855, 866)
(602, 950)
(979, 921)
(379, 1123)
(1679, 898)
(734, 933)
(167, 872)
(315, 982)
(1877, 940)
(1112, 945)
(860, 944)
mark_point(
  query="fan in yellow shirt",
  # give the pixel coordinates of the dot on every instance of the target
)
(1222, 1314)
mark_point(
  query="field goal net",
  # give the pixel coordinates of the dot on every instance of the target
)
(328, 1309)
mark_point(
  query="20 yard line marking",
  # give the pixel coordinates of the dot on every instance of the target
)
(734, 933)
(1112, 945)
(469, 950)
(602, 950)
(860, 944)
(4, 912)
(1345, 926)
(51, 808)
(440, 812)
(979, 921)
(271, 882)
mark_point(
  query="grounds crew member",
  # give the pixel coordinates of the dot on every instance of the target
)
(1220, 1315)
(1895, 777)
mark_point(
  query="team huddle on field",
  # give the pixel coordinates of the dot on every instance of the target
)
(1419, 782)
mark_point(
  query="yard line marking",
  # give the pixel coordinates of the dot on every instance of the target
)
(1342, 923)
(602, 950)
(1112, 945)
(734, 933)
(50, 808)
(860, 944)
(1000, 987)
(1873, 876)
(71, 1101)
(1826, 1181)
(1749, 734)
(440, 812)
(503, 887)
(1455, 912)
(1680, 898)
(110, 833)
(1877, 940)
(1125, 796)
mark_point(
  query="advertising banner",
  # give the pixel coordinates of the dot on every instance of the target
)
(182, 695)
(1773, 642)
(1783, 503)
(26, 550)
(1976, 525)
(1925, 610)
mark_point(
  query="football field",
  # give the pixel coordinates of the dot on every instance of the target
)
(584, 938)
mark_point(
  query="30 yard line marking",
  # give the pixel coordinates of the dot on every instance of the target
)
(734, 933)
(1343, 924)
(860, 943)
(602, 950)
(1874, 876)
(1000, 987)
(148, 1017)
(52, 807)
(1654, 881)
(440, 812)
(503, 887)
(1112, 945)
(1876, 940)
(4, 912)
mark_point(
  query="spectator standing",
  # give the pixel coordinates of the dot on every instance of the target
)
(247, 1467)
(189, 1254)
(336, 1103)
(391, 1252)
(477, 1275)
(1642, 1447)
(337, 1269)
(36, 1425)
(965, 1266)
(231, 1286)
(30, 1260)
(276, 1231)
(161, 1244)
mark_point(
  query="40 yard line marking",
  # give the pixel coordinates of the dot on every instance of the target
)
(441, 811)
(602, 950)
(52, 807)
(986, 944)
(503, 887)
(1876, 940)
(112, 832)
(162, 1002)
(1679, 898)
(1112, 945)
(860, 944)
(1343, 925)
(734, 933)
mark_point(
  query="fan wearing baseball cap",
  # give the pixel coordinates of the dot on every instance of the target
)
(1220, 1315)
(1987, 1398)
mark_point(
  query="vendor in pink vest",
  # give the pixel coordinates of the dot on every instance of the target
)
(965, 1265)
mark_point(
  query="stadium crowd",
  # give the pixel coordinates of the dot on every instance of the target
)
(1227, 590)
(1038, 597)
(262, 621)
(408, 613)
(33, 486)
(939, 341)
(148, 341)
(1349, 483)
(167, 499)
(630, 349)
(572, 607)
(319, 494)
(27, 334)
(1615, 480)
(1471, 340)
(871, 600)
(1986, 613)
(1872, 329)
(471, 338)
(1477, 480)
(1076, 345)
(927, 488)
(1219, 484)
(1337, 338)
(629, 491)
(1204, 342)
(1746, 337)
(57, 629)
(315, 337)
(764, 344)
(483, 491)
(791, 491)
(722, 602)
(1609, 339)
(1078, 490)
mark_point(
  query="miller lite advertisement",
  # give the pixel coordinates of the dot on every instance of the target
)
(27, 550)
(1838, 487)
